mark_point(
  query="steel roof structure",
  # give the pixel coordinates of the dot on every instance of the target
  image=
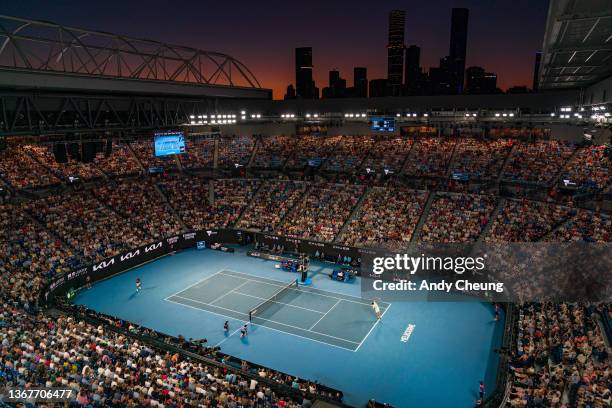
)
(39, 46)
(577, 49)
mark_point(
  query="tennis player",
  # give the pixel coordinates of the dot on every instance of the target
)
(244, 332)
(226, 326)
(138, 285)
(376, 309)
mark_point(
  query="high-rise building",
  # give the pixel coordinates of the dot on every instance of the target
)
(413, 68)
(304, 86)
(378, 88)
(337, 86)
(458, 47)
(536, 70)
(440, 78)
(290, 94)
(360, 82)
(480, 82)
(395, 51)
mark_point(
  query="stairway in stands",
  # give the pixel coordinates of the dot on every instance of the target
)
(353, 214)
(501, 203)
(423, 217)
(254, 152)
(500, 176)
(166, 201)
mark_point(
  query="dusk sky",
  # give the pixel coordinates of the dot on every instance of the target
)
(503, 35)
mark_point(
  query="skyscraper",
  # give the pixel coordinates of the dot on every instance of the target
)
(480, 82)
(303, 73)
(458, 47)
(360, 82)
(337, 86)
(395, 51)
(536, 70)
(413, 68)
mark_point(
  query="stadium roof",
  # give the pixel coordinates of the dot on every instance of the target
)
(577, 48)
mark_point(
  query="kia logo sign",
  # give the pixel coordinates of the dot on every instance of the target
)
(130, 255)
(152, 247)
(104, 264)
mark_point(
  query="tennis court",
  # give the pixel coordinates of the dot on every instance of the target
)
(331, 318)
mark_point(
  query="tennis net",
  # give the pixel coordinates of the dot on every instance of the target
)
(268, 302)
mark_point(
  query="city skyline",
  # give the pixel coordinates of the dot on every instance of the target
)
(502, 37)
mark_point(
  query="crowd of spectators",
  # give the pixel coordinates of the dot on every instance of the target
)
(235, 150)
(389, 154)
(29, 255)
(139, 202)
(349, 154)
(20, 170)
(271, 204)
(72, 168)
(527, 221)
(590, 168)
(145, 153)
(430, 157)
(480, 159)
(272, 151)
(311, 148)
(562, 358)
(586, 226)
(87, 225)
(322, 213)
(455, 217)
(121, 161)
(199, 153)
(386, 219)
(537, 162)
(106, 368)
(200, 207)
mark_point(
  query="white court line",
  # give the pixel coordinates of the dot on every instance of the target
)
(225, 294)
(227, 338)
(373, 326)
(198, 282)
(280, 303)
(269, 328)
(330, 309)
(367, 302)
(268, 320)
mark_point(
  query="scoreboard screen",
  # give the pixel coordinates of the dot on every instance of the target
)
(383, 124)
(169, 143)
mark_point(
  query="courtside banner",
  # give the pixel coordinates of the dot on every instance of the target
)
(499, 272)
(117, 264)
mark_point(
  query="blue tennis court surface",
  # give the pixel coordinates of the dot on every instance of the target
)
(334, 319)
(325, 331)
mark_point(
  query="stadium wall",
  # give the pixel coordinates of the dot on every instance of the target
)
(601, 92)
(566, 132)
(530, 102)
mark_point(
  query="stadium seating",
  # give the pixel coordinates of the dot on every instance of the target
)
(561, 359)
(386, 219)
(273, 201)
(457, 218)
(430, 157)
(538, 162)
(322, 213)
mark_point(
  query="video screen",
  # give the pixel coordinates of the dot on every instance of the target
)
(170, 143)
(383, 124)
